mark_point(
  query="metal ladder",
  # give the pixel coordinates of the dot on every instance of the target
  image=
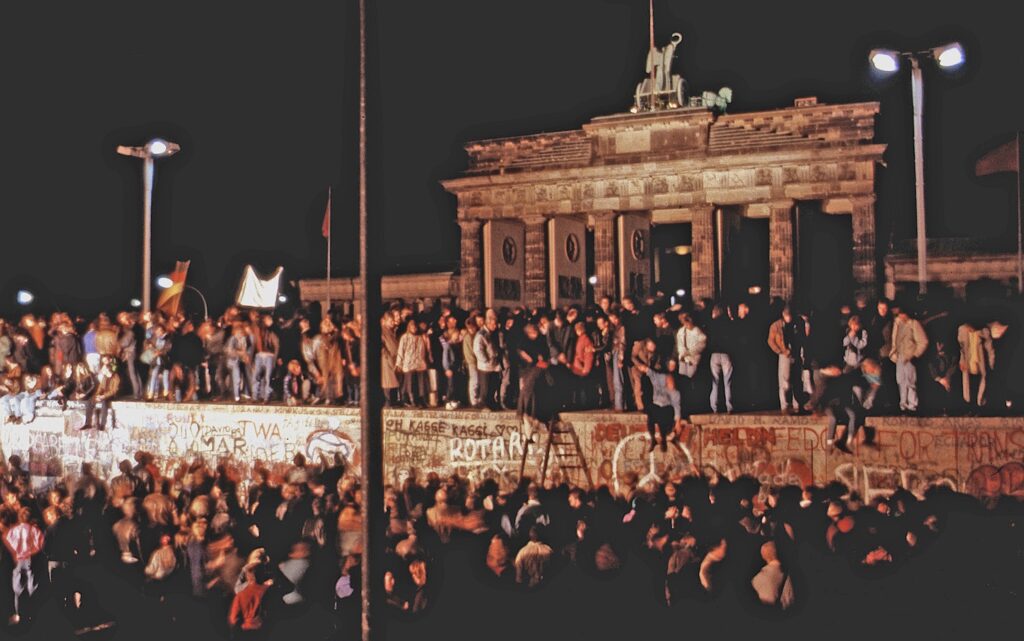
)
(563, 439)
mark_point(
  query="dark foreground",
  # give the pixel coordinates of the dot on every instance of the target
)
(967, 585)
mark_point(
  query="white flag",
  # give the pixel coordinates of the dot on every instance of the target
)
(258, 292)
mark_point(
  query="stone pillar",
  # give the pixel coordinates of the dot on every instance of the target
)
(471, 265)
(702, 252)
(604, 254)
(781, 249)
(865, 263)
(536, 294)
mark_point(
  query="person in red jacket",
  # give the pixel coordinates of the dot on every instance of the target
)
(23, 541)
(582, 365)
(247, 613)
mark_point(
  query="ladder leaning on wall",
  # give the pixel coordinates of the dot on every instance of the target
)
(562, 438)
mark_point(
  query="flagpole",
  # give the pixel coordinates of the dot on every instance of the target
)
(651, 30)
(327, 309)
(371, 396)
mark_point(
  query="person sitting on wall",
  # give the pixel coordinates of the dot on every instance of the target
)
(665, 408)
(296, 384)
(108, 382)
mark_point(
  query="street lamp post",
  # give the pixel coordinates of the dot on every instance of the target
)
(156, 148)
(888, 61)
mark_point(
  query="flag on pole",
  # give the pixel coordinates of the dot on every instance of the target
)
(170, 299)
(258, 292)
(325, 228)
(1004, 158)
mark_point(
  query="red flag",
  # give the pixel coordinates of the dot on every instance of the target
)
(1004, 158)
(325, 229)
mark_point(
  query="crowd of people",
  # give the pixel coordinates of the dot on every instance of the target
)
(665, 358)
(262, 548)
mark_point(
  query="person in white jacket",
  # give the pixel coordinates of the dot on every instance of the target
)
(690, 344)
(488, 362)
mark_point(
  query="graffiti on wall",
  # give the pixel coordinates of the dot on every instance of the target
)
(984, 457)
(475, 445)
(53, 446)
(774, 455)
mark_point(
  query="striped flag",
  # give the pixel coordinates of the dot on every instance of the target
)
(170, 299)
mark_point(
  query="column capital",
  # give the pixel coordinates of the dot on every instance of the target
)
(535, 219)
(863, 200)
(701, 208)
(781, 203)
(470, 223)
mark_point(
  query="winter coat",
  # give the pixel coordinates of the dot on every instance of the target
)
(388, 355)
(412, 353)
(908, 340)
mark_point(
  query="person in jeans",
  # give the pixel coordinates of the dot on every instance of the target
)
(488, 362)
(23, 541)
(268, 344)
(451, 362)
(413, 360)
(158, 346)
(720, 344)
(909, 342)
(236, 353)
(665, 409)
(855, 343)
(469, 359)
(783, 339)
(690, 344)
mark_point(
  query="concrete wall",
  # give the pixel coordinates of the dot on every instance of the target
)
(984, 457)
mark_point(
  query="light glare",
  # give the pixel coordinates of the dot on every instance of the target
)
(885, 60)
(952, 55)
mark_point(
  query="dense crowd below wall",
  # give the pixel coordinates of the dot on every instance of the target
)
(665, 358)
(258, 558)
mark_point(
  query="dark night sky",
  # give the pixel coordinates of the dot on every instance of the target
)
(263, 101)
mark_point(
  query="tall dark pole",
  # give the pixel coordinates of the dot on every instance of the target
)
(371, 396)
(1020, 232)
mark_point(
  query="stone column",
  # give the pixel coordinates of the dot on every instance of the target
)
(780, 248)
(536, 294)
(604, 254)
(865, 260)
(471, 265)
(702, 252)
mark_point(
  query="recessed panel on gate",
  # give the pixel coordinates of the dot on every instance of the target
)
(567, 261)
(504, 263)
(634, 253)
